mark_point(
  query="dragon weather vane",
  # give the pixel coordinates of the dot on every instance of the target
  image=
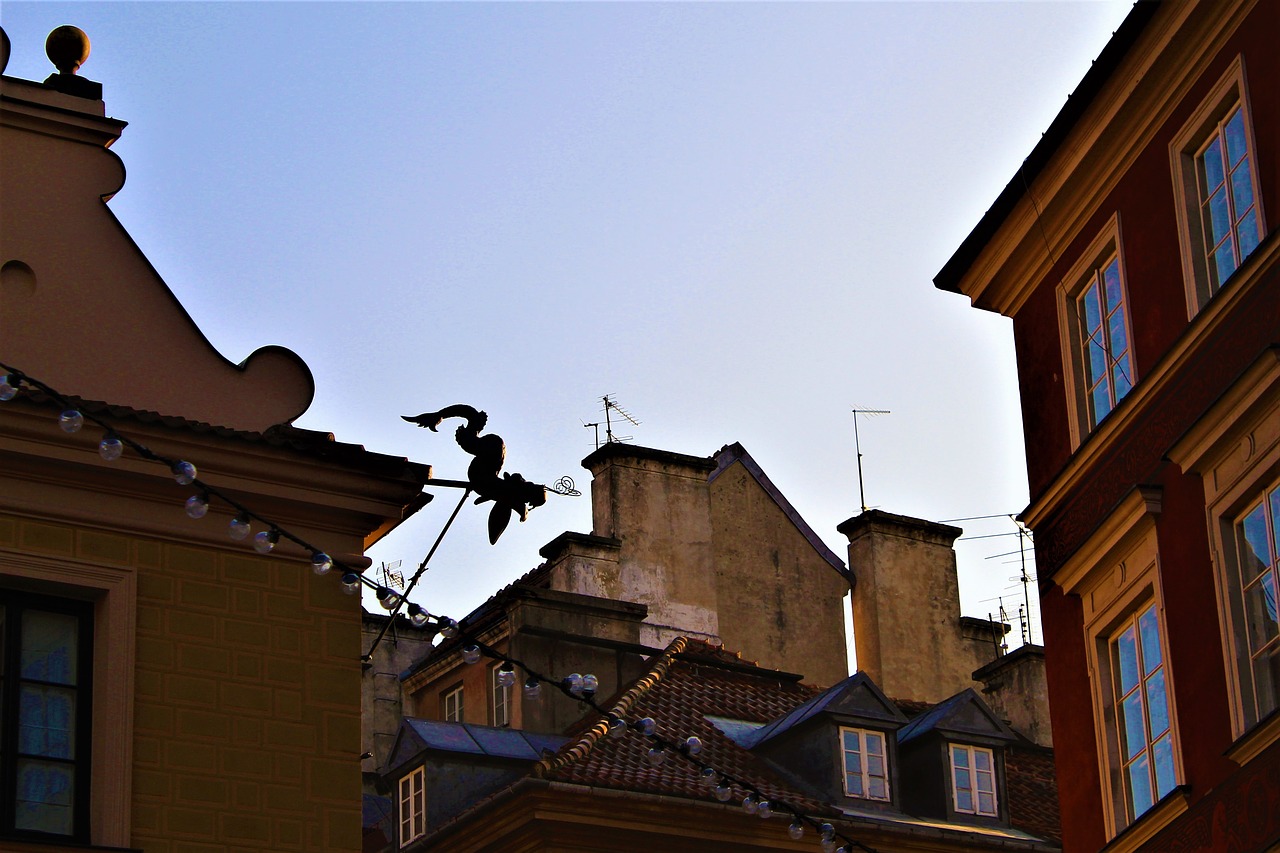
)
(511, 494)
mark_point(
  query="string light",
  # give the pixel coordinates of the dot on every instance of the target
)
(198, 505)
(111, 447)
(321, 563)
(264, 542)
(578, 686)
(239, 527)
(71, 420)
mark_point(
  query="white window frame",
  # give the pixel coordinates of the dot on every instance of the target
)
(974, 776)
(1085, 274)
(413, 806)
(1188, 144)
(1116, 574)
(500, 699)
(451, 705)
(864, 736)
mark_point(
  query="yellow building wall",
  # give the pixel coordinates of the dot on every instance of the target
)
(246, 694)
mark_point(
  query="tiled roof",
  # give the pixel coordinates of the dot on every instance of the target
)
(1032, 791)
(696, 685)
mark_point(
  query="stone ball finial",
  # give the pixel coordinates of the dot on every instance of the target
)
(67, 48)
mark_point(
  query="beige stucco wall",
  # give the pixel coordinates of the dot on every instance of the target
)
(658, 506)
(245, 711)
(780, 602)
(906, 606)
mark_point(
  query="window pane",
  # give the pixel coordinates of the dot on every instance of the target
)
(1097, 361)
(1249, 233)
(1122, 376)
(986, 804)
(1211, 166)
(44, 797)
(853, 762)
(851, 741)
(1101, 401)
(1266, 680)
(964, 797)
(959, 757)
(875, 743)
(875, 765)
(47, 721)
(1157, 704)
(1219, 216)
(853, 782)
(1119, 338)
(1111, 278)
(1162, 753)
(1092, 311)
(49, 647)
(878, 789)
(1126, 651)
(1134, 729)
(1224, 262)
(1139, 777)
(1241, 189)
(1275, 514)
(982, 761)
(1149, 629)
(1256, 548)
(1236, 146)
(1260, 611)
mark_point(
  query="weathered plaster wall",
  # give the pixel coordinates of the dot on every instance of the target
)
(906, 606)
(780, 602)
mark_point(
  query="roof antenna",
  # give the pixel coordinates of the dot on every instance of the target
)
(871, 413)
(611, 405)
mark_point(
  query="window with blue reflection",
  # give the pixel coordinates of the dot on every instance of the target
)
(1104, 338)
(866, 767)
(1228, 208)
(1144, 734)
(1258, 638)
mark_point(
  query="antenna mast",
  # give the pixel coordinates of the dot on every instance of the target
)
(862, 495)
(611, 405)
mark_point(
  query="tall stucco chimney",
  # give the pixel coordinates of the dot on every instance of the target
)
(657, 505)
(906, 606)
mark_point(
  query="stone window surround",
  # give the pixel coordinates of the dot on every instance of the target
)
(1229, 91)
(114, 593)
(1075, 374)
(1116, 573)
(1235, 448)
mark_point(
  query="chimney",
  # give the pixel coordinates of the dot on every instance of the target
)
(906, 606)
(657, 506)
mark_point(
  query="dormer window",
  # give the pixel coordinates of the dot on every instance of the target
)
(866, 766)
(973, 779)
(413, 806)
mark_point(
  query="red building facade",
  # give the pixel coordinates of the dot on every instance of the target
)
(1135, 251)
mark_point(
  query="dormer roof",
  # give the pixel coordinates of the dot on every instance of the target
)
(857, 699)
(962, 717)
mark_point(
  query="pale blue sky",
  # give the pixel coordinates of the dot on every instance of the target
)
(727, 214)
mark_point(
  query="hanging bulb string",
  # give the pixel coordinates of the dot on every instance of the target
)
(205, 488)
(188, 475)
(413, 582)
(677, 747)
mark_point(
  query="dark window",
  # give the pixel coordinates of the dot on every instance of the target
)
(45, 667)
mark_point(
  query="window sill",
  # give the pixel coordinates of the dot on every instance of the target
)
(1256, 740)
(1136, 835)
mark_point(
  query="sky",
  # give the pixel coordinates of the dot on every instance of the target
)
(726, 215)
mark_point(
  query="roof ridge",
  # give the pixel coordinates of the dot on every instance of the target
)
(589, 738)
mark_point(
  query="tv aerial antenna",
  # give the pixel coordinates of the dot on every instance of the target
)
(871, 413)
(612, 410)
(391, 575)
